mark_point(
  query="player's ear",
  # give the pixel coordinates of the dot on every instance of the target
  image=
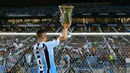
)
(44, 36)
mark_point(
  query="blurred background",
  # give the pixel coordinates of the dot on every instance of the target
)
(57, 2)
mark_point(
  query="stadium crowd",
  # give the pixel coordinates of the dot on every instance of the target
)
(90, 52)
(40, 11)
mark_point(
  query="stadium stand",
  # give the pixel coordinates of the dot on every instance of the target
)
(49, 10)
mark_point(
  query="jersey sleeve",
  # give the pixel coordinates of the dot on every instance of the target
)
(53, 43)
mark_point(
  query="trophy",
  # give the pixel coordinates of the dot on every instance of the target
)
(66, 14)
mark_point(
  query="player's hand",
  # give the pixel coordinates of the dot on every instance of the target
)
(66, 26)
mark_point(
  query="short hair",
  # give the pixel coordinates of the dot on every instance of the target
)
(40, 32)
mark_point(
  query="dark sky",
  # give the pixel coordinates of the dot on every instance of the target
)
(56, 2)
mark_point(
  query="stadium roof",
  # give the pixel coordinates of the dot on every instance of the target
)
(56, 2)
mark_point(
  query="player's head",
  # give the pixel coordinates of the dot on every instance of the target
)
(42, 36)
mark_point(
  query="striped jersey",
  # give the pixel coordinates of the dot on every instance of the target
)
(44, 56)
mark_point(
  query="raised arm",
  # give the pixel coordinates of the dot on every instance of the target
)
(63, 35)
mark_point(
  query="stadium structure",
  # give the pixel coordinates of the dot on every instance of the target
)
(81, 53)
